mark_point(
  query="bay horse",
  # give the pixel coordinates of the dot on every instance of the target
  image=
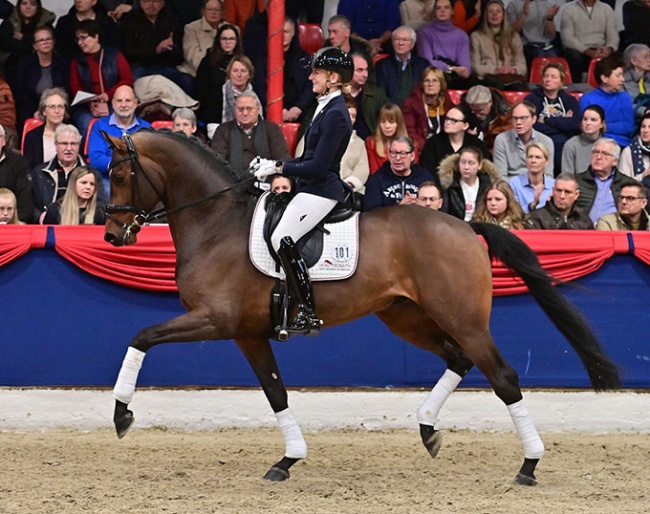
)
(425, 274)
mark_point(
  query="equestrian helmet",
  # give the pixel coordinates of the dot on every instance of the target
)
(331, 58)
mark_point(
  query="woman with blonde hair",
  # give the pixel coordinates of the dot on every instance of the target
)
(390, 125)
(496, 50)
(79, 205)
(498, 205)
(8, 208)
(39, 145)
(532, 189)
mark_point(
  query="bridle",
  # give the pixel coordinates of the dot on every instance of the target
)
(141, 216)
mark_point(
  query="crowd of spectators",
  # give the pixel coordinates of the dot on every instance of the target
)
(430, 101)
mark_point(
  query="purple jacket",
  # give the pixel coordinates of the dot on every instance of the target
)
(439, 39)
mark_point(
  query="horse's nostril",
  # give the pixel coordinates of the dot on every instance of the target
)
(111, 238)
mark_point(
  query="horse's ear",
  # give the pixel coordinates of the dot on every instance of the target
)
(111, 140)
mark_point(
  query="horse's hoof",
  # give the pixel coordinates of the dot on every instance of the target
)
(432, 439)
(521, 479)
(276, 474)
(123, 420)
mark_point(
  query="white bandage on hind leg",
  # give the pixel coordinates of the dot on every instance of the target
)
(533, 445)
(295, 444)
(428, 411)
(126, 380)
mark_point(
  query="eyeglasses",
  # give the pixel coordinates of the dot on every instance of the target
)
(521, 118)
(55, 107)
(431, 81)
(67, 143)
(82, 37)
(628, 198)
(393, 153)
(453, 120)
(602, 153)
(227, 38)
(43, 40)
(428, 198)
(246, 109)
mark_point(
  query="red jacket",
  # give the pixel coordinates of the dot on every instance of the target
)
(415, 117)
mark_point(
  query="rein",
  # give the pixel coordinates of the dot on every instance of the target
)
(141, 217)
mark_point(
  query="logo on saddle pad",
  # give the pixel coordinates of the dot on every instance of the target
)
(332, 256)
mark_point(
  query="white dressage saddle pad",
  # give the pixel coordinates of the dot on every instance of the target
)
(340, 248)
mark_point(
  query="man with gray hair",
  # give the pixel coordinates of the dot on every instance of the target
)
(248, 136)
(636, 75)
(600, 185)
(398, 73)
(50, 179)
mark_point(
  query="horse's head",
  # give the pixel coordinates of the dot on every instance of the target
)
(134, 191)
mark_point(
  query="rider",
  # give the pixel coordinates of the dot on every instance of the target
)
(318, 184)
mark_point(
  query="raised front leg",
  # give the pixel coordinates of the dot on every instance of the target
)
(260, 356)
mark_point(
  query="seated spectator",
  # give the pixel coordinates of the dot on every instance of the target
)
(614, 101)
(184, 121)
(535, 23)
(248, 136)
(445, 46)
(355, 168)
(39, 143)
(464, 177)
(239, 74)
(122, 120)
(560, 211)
(430, 196)
(238, 12)
(68, 24)
(496, 50)
(635, 20)
(8, 208)
(635, 159)
(398, 180)
(532, 189)
(588, 30)
(152, 42)
(14, 175)
(186, 11)
(17, 31)
(558, 113)
(631, 213)
(510, 146)
(280, 184)
(43, 69)
(211, 74)
(415, 13)
(492, 112)
(97, 69)
(637, 77)
(425, 109)
(600, 185)
(467, 14)
(376, 28)
(339, 35)
(453, 138)
(79, 205)
(576, 154)
(398, 73)
(198, 36)
(7, 108)
(50, 178)
(298, 94)
(369, 98)
(498, 205)
(389, 127)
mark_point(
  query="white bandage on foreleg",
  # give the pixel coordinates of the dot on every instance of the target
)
(428, 411)
(126, 380)
(533, 445)
(295, 444)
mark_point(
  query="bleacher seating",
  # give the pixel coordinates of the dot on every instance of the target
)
(591, 72)
(87, 137)
(539, 63)
(162, 124)
(311, 37)
(30, 124)
(290, 132)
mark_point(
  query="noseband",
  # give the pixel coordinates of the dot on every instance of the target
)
(141, 217)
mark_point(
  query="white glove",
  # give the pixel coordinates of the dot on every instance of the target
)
(262, 168)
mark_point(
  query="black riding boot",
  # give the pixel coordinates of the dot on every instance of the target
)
(306, 321)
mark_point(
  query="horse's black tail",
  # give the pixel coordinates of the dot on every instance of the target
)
(515, 254)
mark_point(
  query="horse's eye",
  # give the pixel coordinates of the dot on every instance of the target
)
(119, 180)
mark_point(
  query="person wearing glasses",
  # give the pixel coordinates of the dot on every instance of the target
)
(510, 146)
(600, 185)
(38, 144)
(67, 25)
(198, 36)
(399, 179)
(248, 136)
(50, 178)
(430, 196)
(631, 213)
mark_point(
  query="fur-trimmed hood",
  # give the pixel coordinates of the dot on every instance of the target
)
(448, 170)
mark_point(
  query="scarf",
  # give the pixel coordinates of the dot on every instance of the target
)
(638, 150)
(230, 94)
